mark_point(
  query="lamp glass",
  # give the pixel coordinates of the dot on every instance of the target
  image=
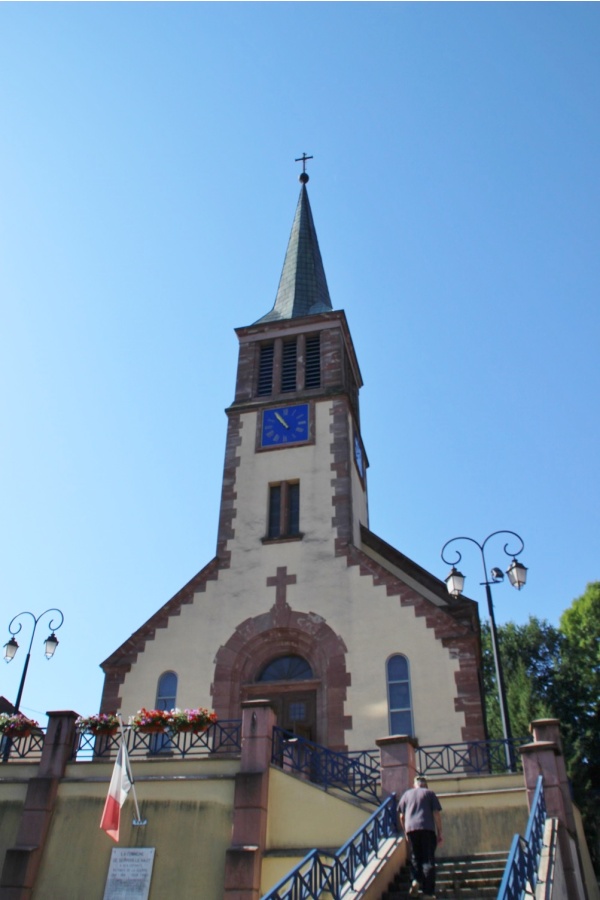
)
(51, 643)
(10, 648)
(517, 574)
(455, 582)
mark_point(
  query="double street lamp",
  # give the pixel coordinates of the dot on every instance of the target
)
(517, 575)
(50, 644)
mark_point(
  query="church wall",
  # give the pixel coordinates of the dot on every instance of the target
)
(371, 624)
(371, 610)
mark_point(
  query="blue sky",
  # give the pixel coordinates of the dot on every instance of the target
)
(148, 187)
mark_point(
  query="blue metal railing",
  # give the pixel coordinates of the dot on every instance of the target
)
(322, 872)
(523, 862)
(356, 773)
(222, 737)
(470, 758)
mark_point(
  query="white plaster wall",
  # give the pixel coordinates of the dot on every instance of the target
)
(372, 625)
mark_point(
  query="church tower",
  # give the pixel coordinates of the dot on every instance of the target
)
(303, 604)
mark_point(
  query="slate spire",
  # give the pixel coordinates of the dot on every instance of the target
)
(303, 287)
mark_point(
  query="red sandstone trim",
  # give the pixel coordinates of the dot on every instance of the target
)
(120, 662)
(285, 631)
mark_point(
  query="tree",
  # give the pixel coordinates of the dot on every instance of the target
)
(530, 656)
(578, 707)
(555, 673)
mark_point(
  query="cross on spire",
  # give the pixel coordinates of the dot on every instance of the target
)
(303, 177)
(280, 582)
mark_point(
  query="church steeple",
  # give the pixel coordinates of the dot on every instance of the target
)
(303, 287)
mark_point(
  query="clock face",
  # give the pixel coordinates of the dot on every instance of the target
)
(285, 425)
(359, 457)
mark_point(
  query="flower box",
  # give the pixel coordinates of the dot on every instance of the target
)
(150, 721)
(106, 724)
(16, 726)
(191, 720)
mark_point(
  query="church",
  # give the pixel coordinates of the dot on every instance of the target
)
(306, 619)
(303, 604)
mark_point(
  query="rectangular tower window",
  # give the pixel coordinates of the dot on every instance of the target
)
(288, 366)
(265, 369)
(312, 377)
(274, 529)
(284, 510)
(293, 508)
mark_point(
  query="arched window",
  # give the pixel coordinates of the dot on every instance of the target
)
(166, 693)
(286, 668)
(399, 702)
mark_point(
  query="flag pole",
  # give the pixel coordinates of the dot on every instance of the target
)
(138, 819)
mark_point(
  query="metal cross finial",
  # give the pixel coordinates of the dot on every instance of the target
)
(303, 177)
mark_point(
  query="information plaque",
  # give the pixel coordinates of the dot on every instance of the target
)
(129, 873)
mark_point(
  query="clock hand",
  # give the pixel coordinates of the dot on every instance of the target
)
(282, 420)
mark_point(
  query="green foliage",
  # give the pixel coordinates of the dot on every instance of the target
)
(530, 654)
(555, 673)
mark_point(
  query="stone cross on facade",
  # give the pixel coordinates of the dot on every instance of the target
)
(280, 582)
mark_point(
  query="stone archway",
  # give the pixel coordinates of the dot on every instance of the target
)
(258, 640)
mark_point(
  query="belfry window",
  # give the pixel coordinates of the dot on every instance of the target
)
(399, 702)
(312, 374)
(288, 366)
(265, 369)
(284, 510)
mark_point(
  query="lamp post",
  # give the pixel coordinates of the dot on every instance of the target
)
(517, 575)
(50, 644)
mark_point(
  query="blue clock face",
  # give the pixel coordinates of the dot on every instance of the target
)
(285, 425)
(359, 457)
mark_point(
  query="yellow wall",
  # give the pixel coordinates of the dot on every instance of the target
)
(189, 824)
(304, 817)
(13, 788)
(482, 813)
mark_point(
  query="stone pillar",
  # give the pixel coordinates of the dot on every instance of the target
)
(398, 764)
(544, 757)
(549, 730)
(22, 862)
(250, 806)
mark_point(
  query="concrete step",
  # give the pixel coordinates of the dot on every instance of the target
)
(474, 877)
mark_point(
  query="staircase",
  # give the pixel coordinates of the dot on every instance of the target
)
(475, 877)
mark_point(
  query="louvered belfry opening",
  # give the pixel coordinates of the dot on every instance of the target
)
(288, 366)
(289, 374)
(265, 369)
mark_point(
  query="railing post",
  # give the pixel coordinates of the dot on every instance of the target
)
(398, 763)
(22, 862)
(243, 861)
(549, 730)
(544, 756)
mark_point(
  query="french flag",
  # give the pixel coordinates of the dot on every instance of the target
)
(120, 785)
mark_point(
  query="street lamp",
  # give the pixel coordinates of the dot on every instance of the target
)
(517, 575)
(50, 644)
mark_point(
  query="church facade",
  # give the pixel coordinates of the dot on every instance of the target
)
(303, 604)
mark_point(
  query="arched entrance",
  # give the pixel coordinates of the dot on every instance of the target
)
(265, 658)
(288, 682)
